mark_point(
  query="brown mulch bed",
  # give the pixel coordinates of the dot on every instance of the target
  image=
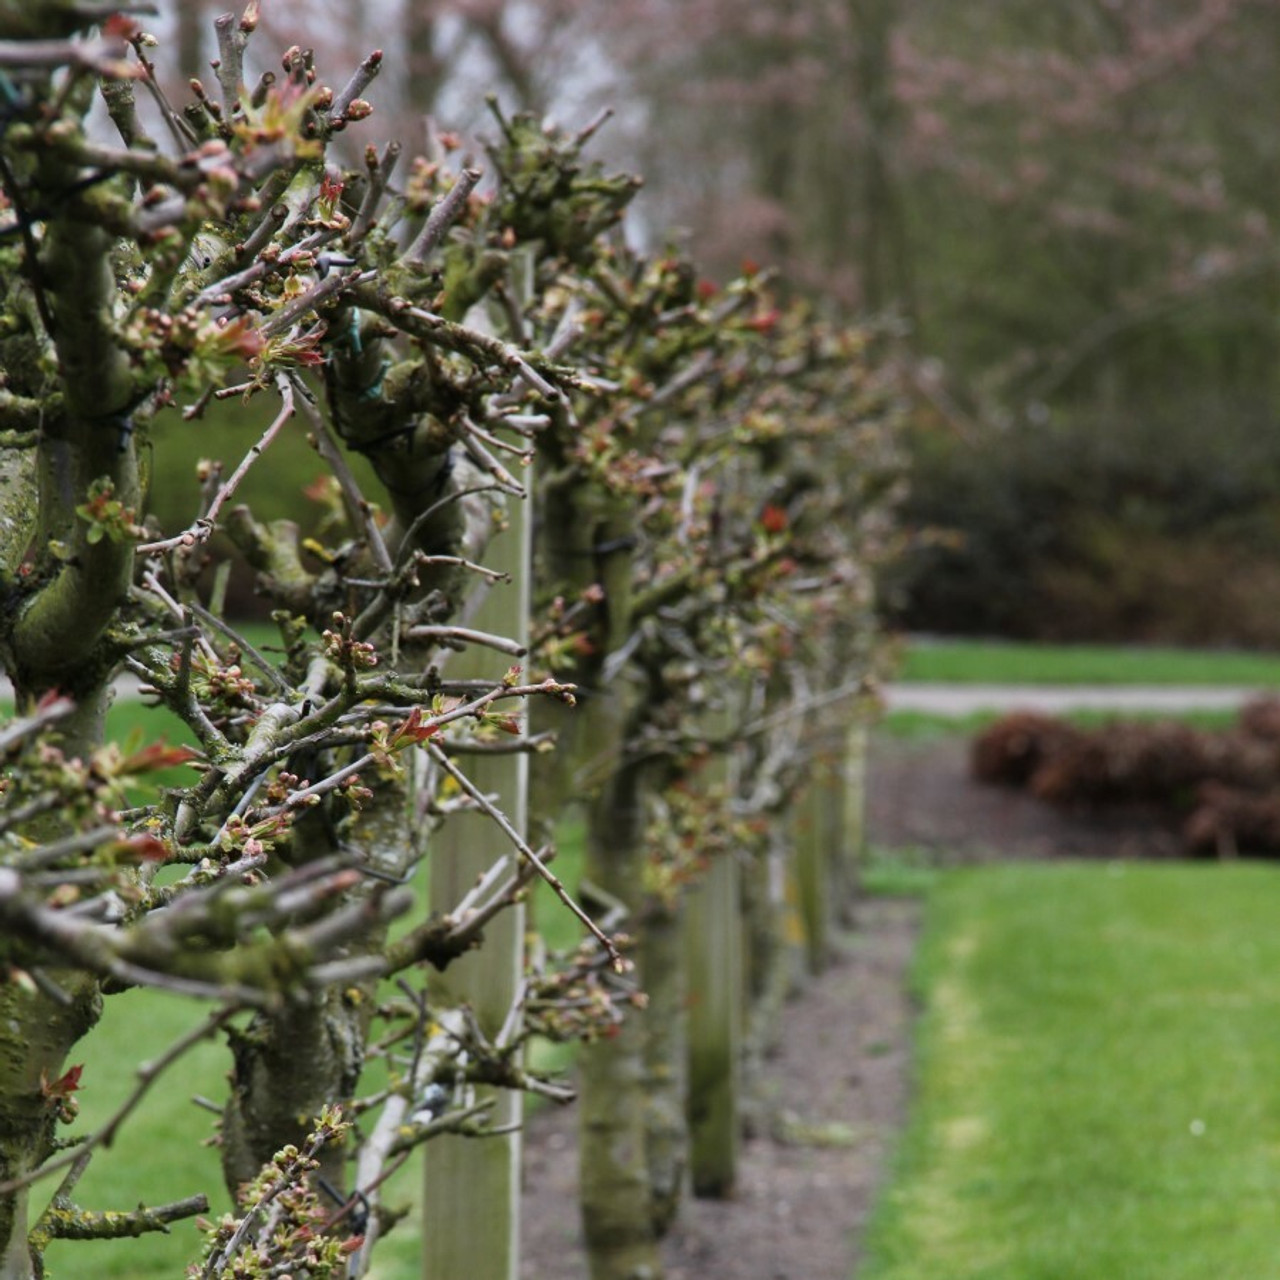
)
(842, 1064)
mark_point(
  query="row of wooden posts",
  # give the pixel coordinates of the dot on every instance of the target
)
(734, 978)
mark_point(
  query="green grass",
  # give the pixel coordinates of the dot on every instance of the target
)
(903, 872)
(158, 1156)
(925, 726)
(1000, 662)
(1097, 1092)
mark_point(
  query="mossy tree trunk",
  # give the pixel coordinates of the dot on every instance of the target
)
(54, 640)
(714, 962)
(713, 949)
(662, 962)
(617, 1216)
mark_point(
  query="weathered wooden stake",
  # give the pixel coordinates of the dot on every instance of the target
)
(471, 1211)
(854, 824)
(813, 873)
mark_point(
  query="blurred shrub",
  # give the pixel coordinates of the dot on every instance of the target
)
(1165, 530)
(1222, 787)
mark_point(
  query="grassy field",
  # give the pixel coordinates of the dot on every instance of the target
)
(926, 726)
(1001, 662)
(1097, 1093)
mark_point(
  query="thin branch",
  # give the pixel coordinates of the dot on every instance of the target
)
(380, 170)
(221, 290)
(310, 300)
(497, 443)
(442, 217)
(48, 854)
(407, 544)
(459, 562)
(102, 55)
(467, 636)
(330, 452)
(50, 713)
(63, 1223)
(588, 131)
(502, 477)
(264, 664)
(178, 128)
(526, 852)
(232, 39)
(455, 337)
(360, 80)
(204, 526)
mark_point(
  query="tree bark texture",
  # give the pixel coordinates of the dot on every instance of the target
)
(713, 951)
(617, 1218)
(666, 1059)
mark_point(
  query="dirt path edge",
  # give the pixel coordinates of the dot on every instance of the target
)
(833, 1097)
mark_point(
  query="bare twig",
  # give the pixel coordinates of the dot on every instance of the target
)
(50, 713)
(232, 39)
(310, 300)
(442, 217)
(467, 636)
(204, 526)
(263, 663)
(360, 80)
(526, 852)
(359, 504)
(380, 170)
(454, 337)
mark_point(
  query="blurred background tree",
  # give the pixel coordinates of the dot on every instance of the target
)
(1063, 212)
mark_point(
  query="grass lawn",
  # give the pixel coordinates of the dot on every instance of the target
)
(1006, 662)
(927, 726)
(1097, 1092)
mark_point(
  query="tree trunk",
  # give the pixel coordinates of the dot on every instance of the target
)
(713, 947)
(54, 643)
(190, 19)
(36, 1034)
(886, 266)
(666, 1053)
(617, 1217)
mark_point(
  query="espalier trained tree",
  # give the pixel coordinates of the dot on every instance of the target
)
(237, 259)
(713, 477)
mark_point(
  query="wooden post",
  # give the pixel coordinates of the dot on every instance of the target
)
(471, 1210)
(812, 873)
(853, 845)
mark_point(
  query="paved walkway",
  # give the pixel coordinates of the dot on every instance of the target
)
(964, 699)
